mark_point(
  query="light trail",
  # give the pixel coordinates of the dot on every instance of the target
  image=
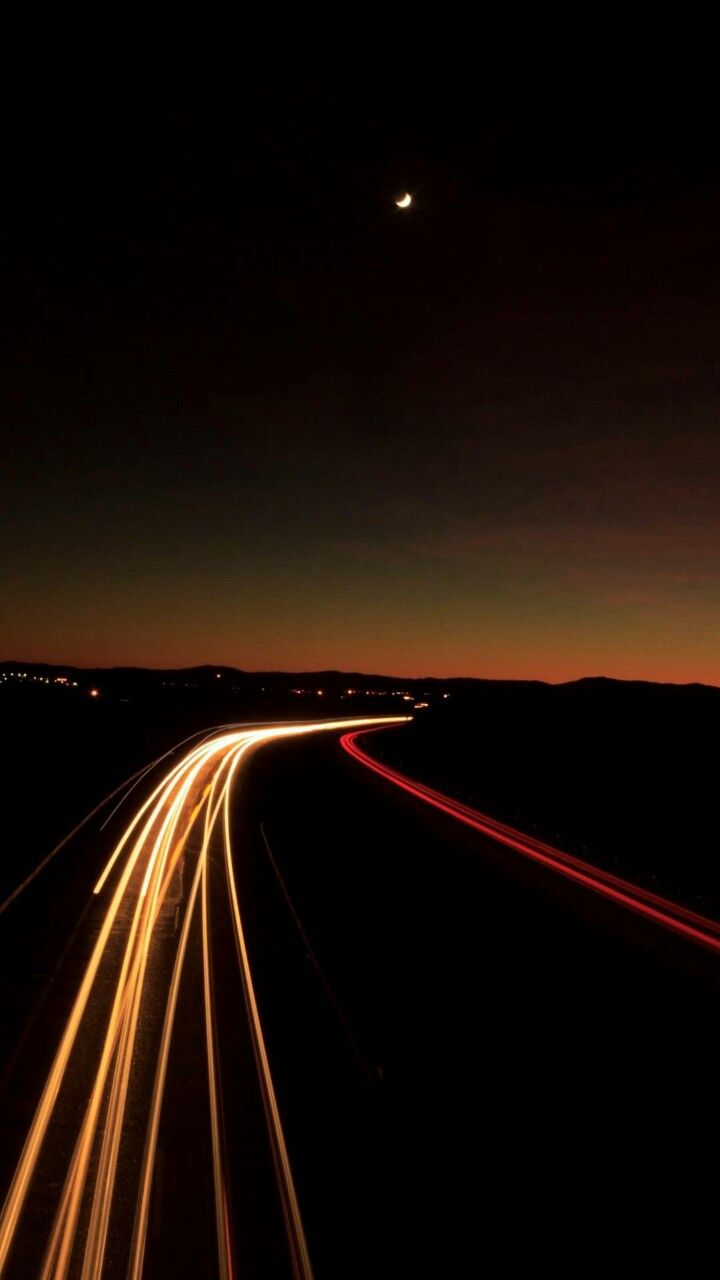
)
(24, 884)
(300, 1257)
(670, 915)
(149, 861)
(222, 1225)
(118, 1046)
(127, 787)
(146, 1177)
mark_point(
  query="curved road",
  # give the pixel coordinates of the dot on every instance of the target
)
(343, 1026)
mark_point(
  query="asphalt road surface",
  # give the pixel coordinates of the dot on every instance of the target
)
(334, 1030)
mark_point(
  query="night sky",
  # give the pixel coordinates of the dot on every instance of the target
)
(256, 415)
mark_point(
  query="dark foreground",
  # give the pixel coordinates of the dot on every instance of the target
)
(480, 1067)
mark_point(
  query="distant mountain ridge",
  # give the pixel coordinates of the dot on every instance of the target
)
(332, 680)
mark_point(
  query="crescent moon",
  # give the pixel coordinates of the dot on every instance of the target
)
(405, 202)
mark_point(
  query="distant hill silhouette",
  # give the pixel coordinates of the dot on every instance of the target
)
(331, 680)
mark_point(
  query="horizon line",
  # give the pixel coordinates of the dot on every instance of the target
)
(338, 671)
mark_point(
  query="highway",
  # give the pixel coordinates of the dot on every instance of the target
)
(317, 1019)
(157, 876)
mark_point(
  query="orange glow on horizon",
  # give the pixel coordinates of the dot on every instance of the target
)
(681, 656)
(551, 670)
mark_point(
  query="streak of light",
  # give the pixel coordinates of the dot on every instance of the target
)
(130, 783)
(137, 778)
(115, 1110)
(221, 1205)
(299, 1254)
(122, 1028)
(164, 789)
(134, 778)
(31, 1150)
(143, 1203)
(662, 911)
(154, 842)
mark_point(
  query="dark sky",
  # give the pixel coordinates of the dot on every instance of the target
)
(254, 414)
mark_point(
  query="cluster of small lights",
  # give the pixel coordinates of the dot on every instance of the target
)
(367, 693)
(23, 675)
(67, 683)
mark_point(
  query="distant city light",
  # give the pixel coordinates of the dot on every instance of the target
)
(94, 693)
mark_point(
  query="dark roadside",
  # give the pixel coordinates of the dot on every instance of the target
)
(619, 773)
(544, 1062)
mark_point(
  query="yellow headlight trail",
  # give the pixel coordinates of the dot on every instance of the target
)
(143, 1202)
(300, 1257)
(201, 782)
(31, 1150)
(224, 1258)
(105, 1177)
(122, 1025)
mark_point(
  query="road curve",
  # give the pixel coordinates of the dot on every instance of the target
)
(662, 911)
(158, 881)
